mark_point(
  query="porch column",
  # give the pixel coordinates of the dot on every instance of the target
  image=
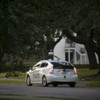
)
(68, 55)
(74, 57)
(80, 59)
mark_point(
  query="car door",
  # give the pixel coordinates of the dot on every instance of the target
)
(42, 70)
(34, 73)
(37, 73)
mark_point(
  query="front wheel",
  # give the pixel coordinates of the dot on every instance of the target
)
(28, 81)
(44, 82)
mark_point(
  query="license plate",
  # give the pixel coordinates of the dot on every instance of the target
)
(62, 72)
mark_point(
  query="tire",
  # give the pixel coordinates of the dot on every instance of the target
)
(28, 81)
(44, 82)
(72, 84)
(55, 85)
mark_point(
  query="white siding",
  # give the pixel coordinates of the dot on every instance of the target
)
(59, 49)
(62, 47)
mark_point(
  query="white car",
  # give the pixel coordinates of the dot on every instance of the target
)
(53, 72)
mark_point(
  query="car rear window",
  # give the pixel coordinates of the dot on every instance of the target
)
(62, 65)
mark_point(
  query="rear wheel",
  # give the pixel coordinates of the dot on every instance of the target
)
(28, 81)
(44, 81)
(72, 84)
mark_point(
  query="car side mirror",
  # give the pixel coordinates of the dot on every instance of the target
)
(30, 68)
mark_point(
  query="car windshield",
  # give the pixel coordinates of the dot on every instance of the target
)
(62, 65)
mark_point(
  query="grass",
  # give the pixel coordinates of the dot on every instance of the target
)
(90, 75)
(84, 74)
(96, 84)
(11, 81)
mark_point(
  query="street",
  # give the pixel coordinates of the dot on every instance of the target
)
(60, 91)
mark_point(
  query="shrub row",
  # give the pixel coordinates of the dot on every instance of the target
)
(81, 66)
(9, 67)
(24, 68)
(13, 68)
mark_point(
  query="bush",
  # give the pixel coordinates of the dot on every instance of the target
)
(10, 67)
(81, 66)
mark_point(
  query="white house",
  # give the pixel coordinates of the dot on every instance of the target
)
(71, 51)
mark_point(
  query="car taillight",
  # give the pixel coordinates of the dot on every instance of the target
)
(75, 71)
(51, 70)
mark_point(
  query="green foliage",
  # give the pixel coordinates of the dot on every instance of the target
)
(11, 68)
(24, 25)
(28, 26)
(87, 74)
(29, 63)
(12, 81)
(96, 84)
(11, 75)
(18, 35)
(80, 66)
(83, 74)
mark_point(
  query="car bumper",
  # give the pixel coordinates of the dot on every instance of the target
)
(62, 79)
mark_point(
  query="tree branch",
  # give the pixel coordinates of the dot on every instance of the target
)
(58, 40)
(72, 38)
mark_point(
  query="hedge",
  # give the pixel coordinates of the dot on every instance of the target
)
(16, 67)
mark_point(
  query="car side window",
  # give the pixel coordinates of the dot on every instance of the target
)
(36, 66)
(44, 64)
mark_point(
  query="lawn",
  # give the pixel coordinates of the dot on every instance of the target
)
(96, 84)
(12, 81)
(87, 74)
(83, 74)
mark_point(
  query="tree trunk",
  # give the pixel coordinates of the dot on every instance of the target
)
(91, 57)
(1, 55)
(91, 50)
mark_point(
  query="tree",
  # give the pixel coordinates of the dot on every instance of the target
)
(81, 17)
(84, 22)
(18, 35)
(28, 23)
(24, 28)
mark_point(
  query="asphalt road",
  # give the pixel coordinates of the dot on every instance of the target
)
(60, 91)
